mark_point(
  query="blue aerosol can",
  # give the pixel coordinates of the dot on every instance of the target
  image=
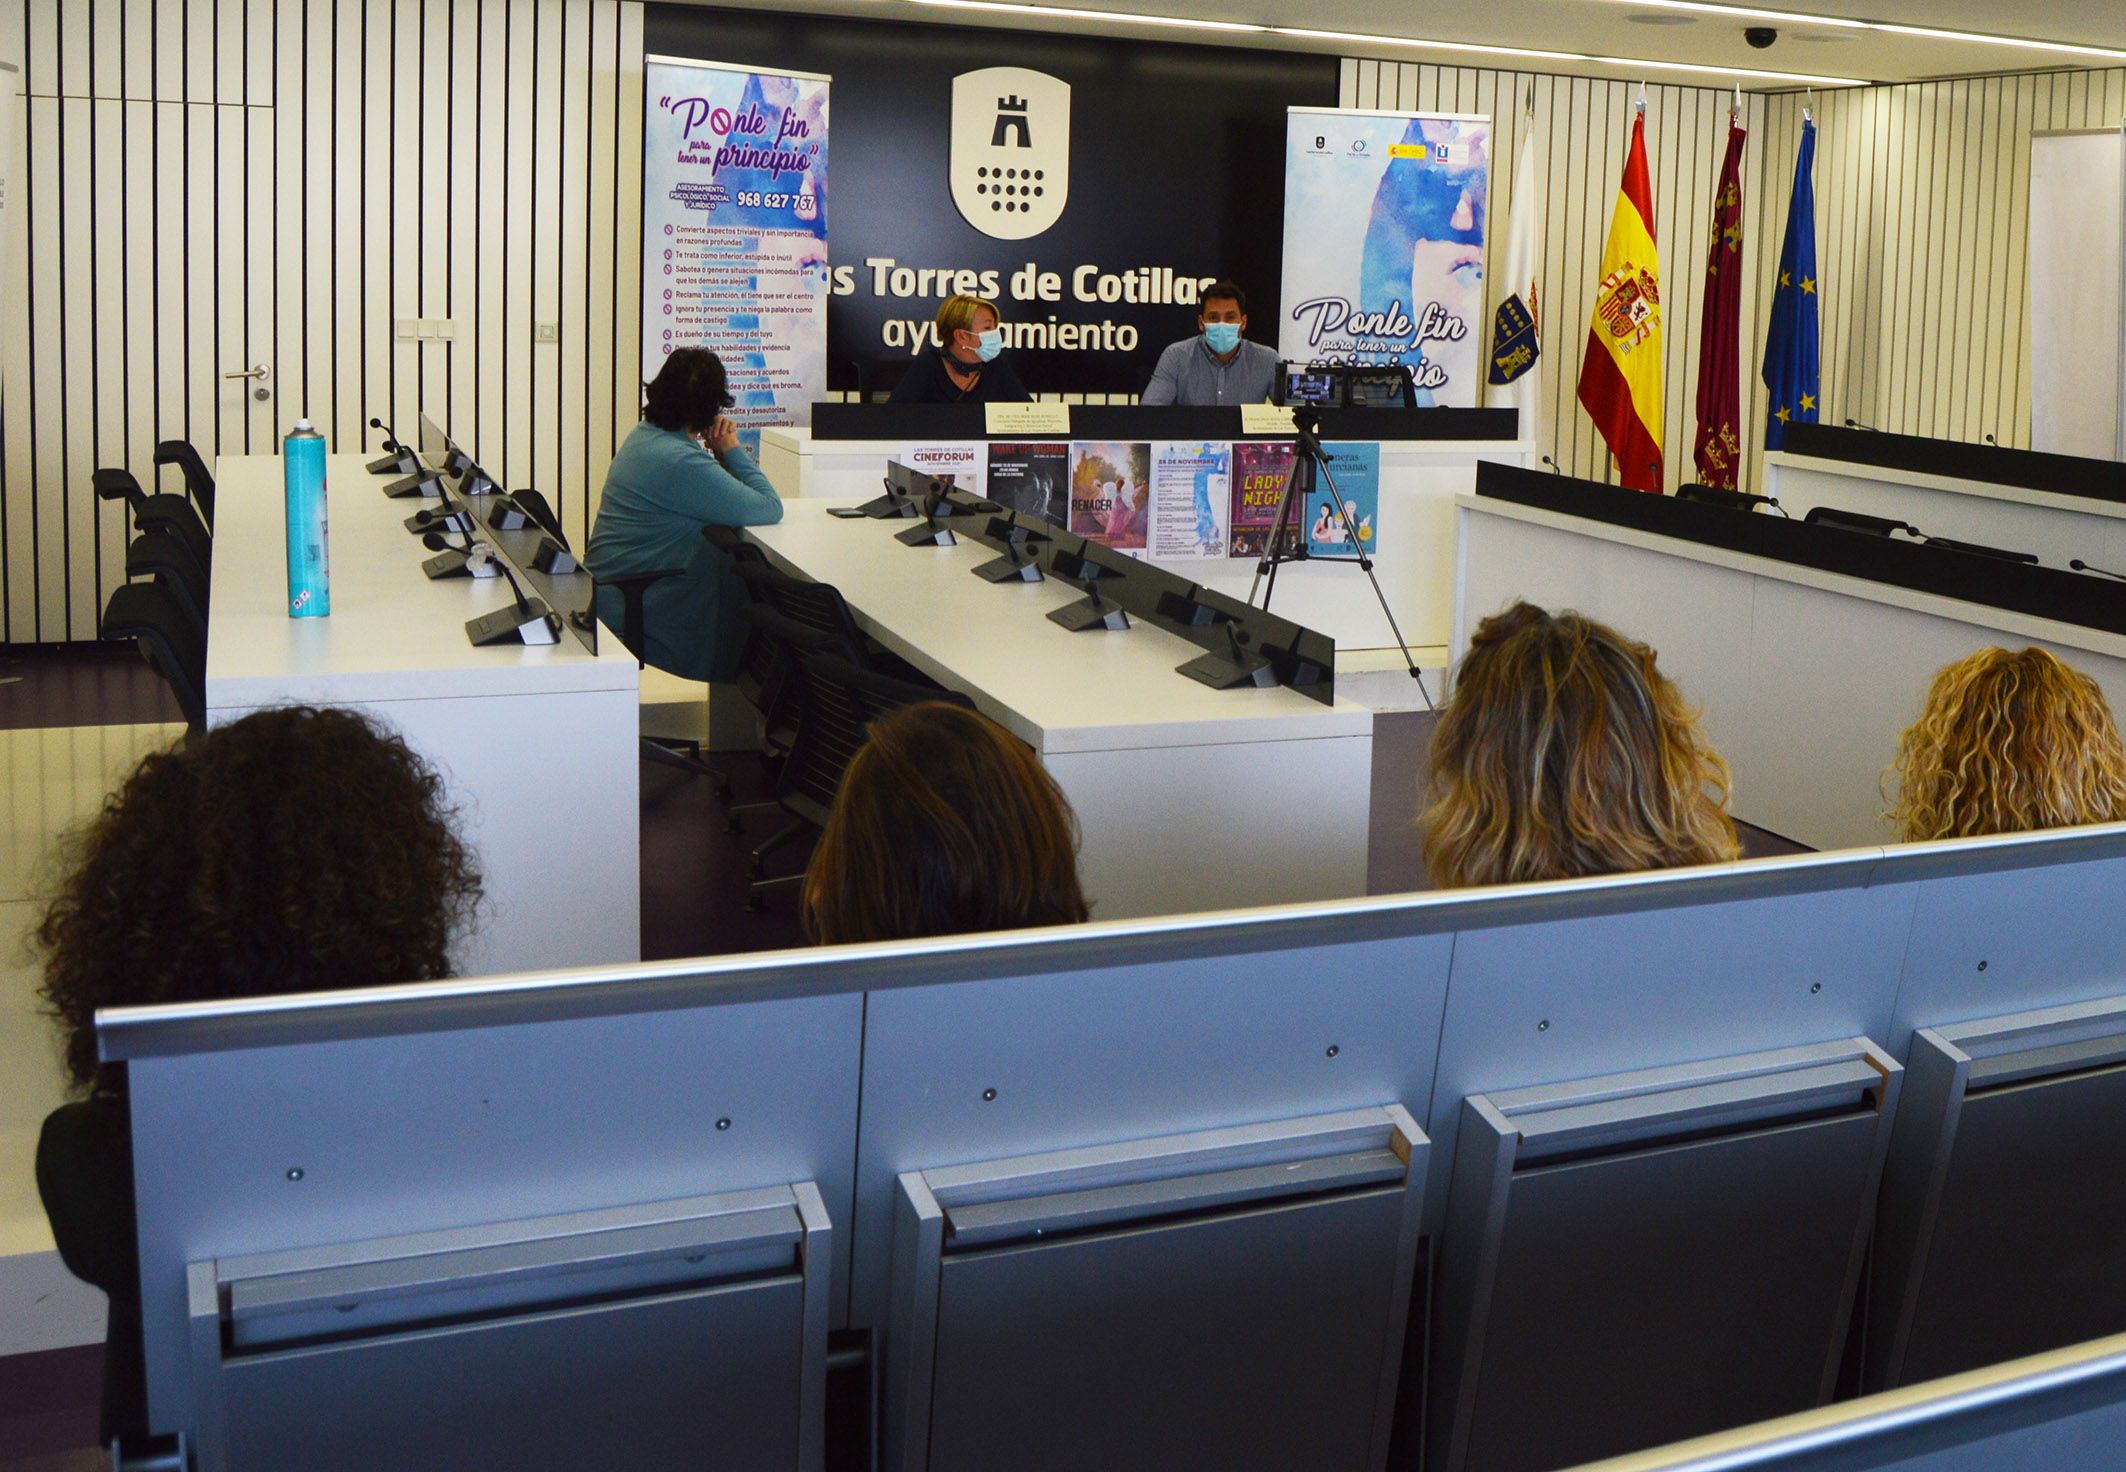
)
(309, 573)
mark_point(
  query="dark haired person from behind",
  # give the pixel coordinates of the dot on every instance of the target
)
(967, 364)
(679, 470)
(1564, 752)
(295, 850)
(1218, 366)
(944, 825)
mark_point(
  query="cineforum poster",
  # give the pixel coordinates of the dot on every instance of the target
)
(1384, 244)
(734, 231)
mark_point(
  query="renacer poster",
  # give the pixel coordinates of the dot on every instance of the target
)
(734, 231)
(1384, 219)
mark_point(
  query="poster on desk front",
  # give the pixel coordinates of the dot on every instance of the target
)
(1111, 492)
(734, 232)
(1384, 216)
(1352, 472)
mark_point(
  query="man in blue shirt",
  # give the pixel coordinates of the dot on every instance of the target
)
(1218, 366)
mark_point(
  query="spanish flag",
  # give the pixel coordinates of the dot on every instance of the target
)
(1620, 379)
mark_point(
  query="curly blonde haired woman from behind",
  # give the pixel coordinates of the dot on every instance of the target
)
(1564, 752)
(2008, 743)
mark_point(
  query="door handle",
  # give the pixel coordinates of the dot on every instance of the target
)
(259, 371)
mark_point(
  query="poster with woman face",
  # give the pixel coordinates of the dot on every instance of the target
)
(1110, 492)
(1384, 244)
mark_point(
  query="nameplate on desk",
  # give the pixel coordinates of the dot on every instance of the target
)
(1026, 419)
(1267, 419)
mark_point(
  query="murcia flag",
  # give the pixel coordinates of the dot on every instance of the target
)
(1620, 378)
(1517, 319)
(1719, 444)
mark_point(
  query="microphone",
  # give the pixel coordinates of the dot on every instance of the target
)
(2103, 572)
(1555, 468)
(456, 518)
(1856, 424)
(1723, 496)
(398, 457)
(473, 560)
(1992, 441)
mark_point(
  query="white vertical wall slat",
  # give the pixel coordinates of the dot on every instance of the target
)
(569, 493)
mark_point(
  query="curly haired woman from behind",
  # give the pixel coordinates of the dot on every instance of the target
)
(2008, 743)
(295, 850)
(1566, 752)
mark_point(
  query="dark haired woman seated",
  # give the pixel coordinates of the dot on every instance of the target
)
(1565, 751)
(944, 825)
(678, 471)
(292, 851)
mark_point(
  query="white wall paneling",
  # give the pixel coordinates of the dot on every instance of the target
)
(209, 184)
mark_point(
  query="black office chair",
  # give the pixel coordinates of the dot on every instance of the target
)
(197, 481)
(159, 512)
(161, 557)
(678, 752)
(838, 700)
(172, 641)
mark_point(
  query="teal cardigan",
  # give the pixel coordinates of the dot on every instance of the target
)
(663, 488)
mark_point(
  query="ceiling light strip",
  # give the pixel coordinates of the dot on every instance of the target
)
(1931, 33)
(1361, 38)
(1629, 63)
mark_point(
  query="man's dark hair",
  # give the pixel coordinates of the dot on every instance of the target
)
(688, 392)
(1227, 289)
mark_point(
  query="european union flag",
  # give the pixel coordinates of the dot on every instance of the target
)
(1791, 370)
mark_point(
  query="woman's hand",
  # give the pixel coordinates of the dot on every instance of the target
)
(722, 436)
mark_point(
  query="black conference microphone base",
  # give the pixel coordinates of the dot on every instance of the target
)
(507, 516)
(1088, 613)
(532, 622)
(440, 521)
(456, 564)
(1223, 672)
(1009, 569)
(399, 462)
(420, 483)
(929, 534)
(554, 559)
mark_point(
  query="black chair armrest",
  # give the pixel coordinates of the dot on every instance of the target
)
(631, 586)
(114, 483)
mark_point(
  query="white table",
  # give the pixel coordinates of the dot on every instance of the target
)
(1189, 798)
(537, 745)
(2058, 528)
(1419, 480)
(1806, 678)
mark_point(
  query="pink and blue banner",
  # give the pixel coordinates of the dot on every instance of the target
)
(734, 231)
(1384, 217)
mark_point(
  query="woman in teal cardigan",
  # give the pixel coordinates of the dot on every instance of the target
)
(679, 470)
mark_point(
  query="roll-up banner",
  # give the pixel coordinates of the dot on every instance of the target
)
(734, 231)
(1384, 218)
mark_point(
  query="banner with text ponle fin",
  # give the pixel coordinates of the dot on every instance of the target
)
(734, 231)
(1384, 217)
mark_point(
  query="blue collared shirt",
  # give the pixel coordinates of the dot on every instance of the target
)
(1190, 373)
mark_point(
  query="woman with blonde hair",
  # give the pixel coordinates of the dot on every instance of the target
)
(2008, 743)
(966, 365)
(1564, 752)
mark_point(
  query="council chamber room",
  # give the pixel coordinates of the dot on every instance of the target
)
(949, 735)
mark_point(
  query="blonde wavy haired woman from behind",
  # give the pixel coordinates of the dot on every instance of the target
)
(2007, 743)
(1564, 752)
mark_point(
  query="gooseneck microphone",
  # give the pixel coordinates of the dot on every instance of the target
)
(398, 457)
(1851, 423)
(1555, 468)
(2103, 572)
